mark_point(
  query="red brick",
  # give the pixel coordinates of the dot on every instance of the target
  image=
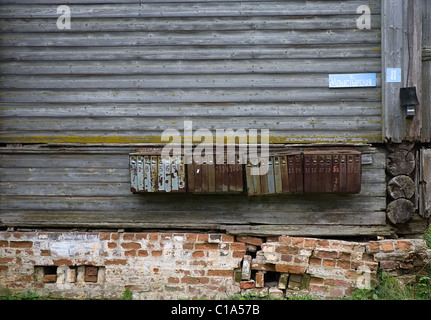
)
(237, 246)
(141, 236)
(299, 242)
(116, 261)
(20, 244)
(404, 245)
(130, 253)
(343, 264)
(286, 268)
(315, 261)
(249, 284)
(112, 245)
(286, 257)
(260, 279)
(344, 256)
(3, 268)
(194, 280)
(62, 262)
(198, 254)
(156, 253)
(387, 246)
(166, 236)
(142, 253)
(329, 263)
(191, 237)
(286, 249)
(337, 283)
(128, 236)
(104, 236)
(323, 243)
(238, 254)
(153, 236)
(220, 273)
(131, 245)
(115, 236)
(4, 243)
(250, 240)
(310, 243)
(263, 267)
(314, 280)
(206, 246)
(173, 280)
(188, 246)
(203, 237)
(388, 265)
(227, 238)
(326, 254)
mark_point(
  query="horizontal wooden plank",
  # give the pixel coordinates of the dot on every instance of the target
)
(112, 110)
(203, 9)
(233, 52)
(128, 24)
(203, 38)
(311, 231)
(318, 80)
(113, 68)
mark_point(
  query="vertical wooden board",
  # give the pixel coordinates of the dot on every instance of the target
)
(133, 174)
(425, 183)
(140, 168)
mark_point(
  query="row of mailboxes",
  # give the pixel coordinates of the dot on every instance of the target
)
(308, 171)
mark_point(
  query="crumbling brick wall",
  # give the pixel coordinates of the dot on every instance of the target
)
(195, 265)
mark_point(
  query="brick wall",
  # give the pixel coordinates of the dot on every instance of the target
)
(191, 265)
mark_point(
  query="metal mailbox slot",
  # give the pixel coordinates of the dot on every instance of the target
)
(151, 173)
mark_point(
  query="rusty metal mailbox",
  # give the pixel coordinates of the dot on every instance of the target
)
(332, 171)
(284, 174)
(152, 173)
(212, 177)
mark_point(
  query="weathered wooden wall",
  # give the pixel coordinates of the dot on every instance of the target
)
(126, 71)
(90, 187)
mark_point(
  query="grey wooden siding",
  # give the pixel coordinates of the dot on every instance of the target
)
(90, 187)
(127, 70)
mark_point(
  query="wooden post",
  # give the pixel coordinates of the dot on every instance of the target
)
(402, 49)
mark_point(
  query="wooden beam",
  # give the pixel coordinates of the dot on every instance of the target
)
(402, 48)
